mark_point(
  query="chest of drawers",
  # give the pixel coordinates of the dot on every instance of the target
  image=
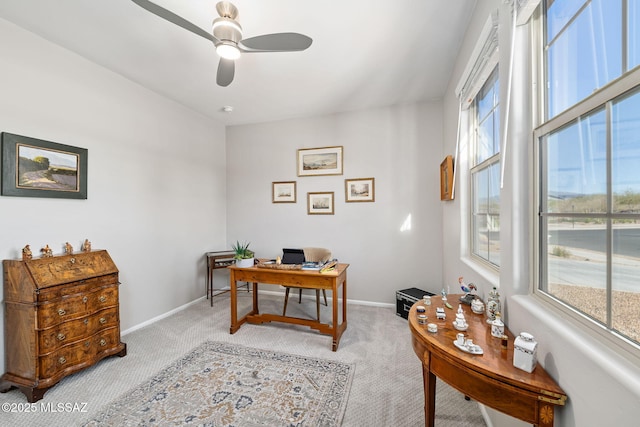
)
(61, 316)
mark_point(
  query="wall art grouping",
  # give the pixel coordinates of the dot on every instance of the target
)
(318, 162)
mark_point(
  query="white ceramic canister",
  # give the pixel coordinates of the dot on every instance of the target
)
(497, 327)
(525, 350)
(493, 305)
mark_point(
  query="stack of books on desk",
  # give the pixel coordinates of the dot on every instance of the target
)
(320, 266)
(312, 266)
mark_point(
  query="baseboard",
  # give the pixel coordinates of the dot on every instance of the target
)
(160, 317)
(485, 415)
(305, 296)
(308, 295)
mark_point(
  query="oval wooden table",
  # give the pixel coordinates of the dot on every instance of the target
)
(489, 378)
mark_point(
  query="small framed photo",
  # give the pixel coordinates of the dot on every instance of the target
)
(359, 190)
(446, 178)
(320, 161)
(320, 203)
(283, 192)
(36, 168)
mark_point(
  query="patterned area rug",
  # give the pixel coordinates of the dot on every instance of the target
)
(221, 384)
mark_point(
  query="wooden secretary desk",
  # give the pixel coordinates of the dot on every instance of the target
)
(61, 316)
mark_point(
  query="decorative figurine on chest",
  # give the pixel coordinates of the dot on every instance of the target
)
(26, 253)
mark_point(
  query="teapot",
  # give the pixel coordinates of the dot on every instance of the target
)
(477, 306)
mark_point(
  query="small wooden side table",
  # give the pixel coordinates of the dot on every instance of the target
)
(216, 260)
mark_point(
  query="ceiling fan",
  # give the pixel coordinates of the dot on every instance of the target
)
(226, 35)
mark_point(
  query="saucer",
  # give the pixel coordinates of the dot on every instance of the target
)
(474, 349)
(459, 328)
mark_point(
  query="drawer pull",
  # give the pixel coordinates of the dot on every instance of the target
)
(85, 299)
(103, 320)
(85, 321)
(61, 336)
(103, 342)
(72, 260)
(62, 360)
(102, 298)
(87, 344)
(61, 312)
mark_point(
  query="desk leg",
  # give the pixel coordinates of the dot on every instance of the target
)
(545, 415)
(429, 396)
(337, 327)
(234, 303)
(334, 311)
(344, 301)
(207, 277)
(255, 297)
(210, 282)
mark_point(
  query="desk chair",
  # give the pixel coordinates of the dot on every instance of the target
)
(310, 255)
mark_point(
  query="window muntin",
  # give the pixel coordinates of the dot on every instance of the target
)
(633, 25)
(485, 173)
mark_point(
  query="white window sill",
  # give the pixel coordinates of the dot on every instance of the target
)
(557, 335)
(490, 275)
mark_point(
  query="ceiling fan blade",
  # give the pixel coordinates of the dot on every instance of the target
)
(173, 18)
(226, 70)
(277, 42)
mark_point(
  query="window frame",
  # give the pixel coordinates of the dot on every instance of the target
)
(484, 165)
(602, 98)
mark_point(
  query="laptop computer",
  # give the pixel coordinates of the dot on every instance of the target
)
(292, 256)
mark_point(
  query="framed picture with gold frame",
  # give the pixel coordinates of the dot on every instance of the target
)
(283, 192)
(359, 190)
(320, 203)
(446, 178)
(320, 161)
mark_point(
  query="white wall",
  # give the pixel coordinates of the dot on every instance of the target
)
(156, 174)
(400, 147)
(603, 387)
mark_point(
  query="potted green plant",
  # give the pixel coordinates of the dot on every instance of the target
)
(243, 255)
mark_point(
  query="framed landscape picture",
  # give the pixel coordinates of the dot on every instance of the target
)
(283, 192)
(320, 161)
(320, 203)
(35, 168)
(359, 190)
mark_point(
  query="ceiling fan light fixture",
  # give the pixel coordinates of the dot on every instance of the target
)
(226, 24)
(228, 50)
(226, 29)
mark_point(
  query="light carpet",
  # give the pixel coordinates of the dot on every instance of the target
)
(386, 390)
(221, 384)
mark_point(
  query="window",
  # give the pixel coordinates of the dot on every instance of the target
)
(479, 94)
(588, 164)
(485, 173)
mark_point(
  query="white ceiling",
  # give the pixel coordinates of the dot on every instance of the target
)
(365, 53)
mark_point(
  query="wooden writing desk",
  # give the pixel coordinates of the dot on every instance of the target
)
(299, 278)
(489, 378)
